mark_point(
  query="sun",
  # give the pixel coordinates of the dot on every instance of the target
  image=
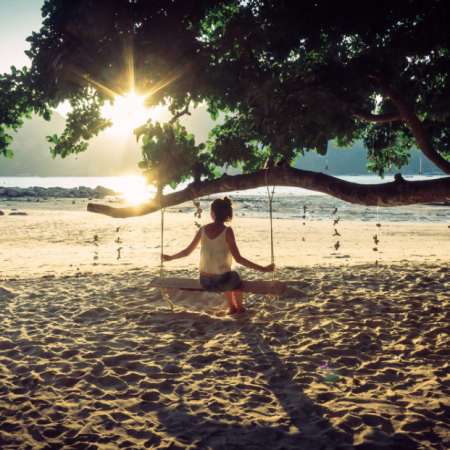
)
(127, 113)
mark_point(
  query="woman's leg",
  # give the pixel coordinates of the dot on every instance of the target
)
(230, 300)
(238, 296)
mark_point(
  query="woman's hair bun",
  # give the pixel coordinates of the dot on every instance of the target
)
(223, 209)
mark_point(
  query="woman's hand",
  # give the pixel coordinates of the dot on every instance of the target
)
(166, 258)
(269, 268)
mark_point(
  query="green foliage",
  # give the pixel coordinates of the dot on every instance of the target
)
(286, 79)
(170, 155)
(82, 123)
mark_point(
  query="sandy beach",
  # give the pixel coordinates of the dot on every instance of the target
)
(352, 356)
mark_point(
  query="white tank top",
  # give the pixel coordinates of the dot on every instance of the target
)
(215, 256)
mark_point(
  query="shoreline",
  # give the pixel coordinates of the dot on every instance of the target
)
(57, 238)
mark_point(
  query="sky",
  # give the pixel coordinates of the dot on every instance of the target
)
(18, 18)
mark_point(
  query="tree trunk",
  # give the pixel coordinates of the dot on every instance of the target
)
(397, 193)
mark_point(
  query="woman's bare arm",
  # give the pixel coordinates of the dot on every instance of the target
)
(240, 259)
(187, 251)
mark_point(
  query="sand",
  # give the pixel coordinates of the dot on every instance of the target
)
(350, 357)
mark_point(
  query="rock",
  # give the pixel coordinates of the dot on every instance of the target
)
(2, 191)
(10, 192)
(18, 214)
(104, 191)
(2, 213)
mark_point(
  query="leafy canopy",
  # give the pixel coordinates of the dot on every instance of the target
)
(289, 76)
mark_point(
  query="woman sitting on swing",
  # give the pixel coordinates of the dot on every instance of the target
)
(216, 255)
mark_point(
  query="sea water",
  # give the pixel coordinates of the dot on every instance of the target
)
(124, 183)
(288, 202)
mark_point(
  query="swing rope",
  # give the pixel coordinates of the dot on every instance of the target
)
(161, 267)
(272, 256)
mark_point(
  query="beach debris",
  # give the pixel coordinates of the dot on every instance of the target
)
(375, 249)
(118, 252)
(336, 233)
(336, 221)
(95, 256)
(376, 264)
(304, 209)
(197, 224)
(378, 225)
(305, 224)
(304, 216)
(337, 245)
(329, 375)
(165, 296)
(117, 229)
(430, 429)
(335, 210)
(303, 239)
(375, 239)
(326, 167)
(96, 240)
(356, 381)
(118, 241)
(199, 211)
(377, 276)
(37, 381)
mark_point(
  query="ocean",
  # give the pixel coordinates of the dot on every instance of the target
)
(288, 201)
(135, 183)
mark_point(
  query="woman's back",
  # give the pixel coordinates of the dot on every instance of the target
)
(215, 256)
(213, 230)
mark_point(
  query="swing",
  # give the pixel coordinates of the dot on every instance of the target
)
(188, 284)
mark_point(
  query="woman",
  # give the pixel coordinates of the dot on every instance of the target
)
(216, 255)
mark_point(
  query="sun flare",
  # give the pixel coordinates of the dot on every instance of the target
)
(127, 113)
(133, 189)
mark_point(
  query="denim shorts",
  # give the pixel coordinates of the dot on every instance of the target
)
(220, 283)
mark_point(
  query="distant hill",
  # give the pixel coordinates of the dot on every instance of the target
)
(353, 161)
(107, 155)
(111, 154)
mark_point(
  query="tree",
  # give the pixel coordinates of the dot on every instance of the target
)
(289, 76)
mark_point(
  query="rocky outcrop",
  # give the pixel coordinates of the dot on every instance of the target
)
(56, 192)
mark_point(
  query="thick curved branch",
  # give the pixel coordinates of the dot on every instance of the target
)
(407, 114)
(382, 118)
(399, 192)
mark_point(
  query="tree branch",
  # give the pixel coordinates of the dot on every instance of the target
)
(179, 114)
(391, 117)
(407, 114)
(399, 192)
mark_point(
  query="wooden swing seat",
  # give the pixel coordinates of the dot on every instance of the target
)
(190, 284)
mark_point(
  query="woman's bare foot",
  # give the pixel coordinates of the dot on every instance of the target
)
(232, 311)
(241, 310)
